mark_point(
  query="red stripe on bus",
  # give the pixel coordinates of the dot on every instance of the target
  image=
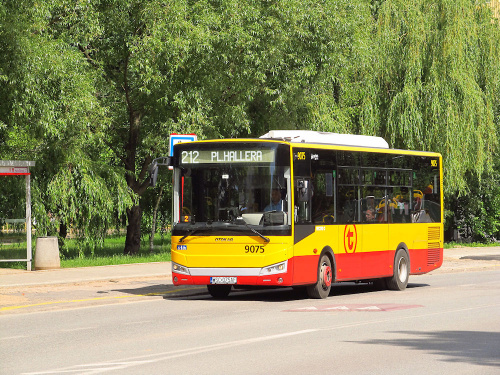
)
(365, 265)
(303, 270)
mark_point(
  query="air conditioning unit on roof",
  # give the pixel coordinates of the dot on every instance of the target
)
(311, 136)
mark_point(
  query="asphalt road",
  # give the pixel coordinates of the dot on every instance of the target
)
(443, 323)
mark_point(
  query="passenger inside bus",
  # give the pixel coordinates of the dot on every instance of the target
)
(370, 215)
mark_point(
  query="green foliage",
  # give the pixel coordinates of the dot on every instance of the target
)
(116, 259)
(477, 215)
(80, 194)
(12, 197)
(110, 251)
(52, 114)
(454, 245)
(77, 254)
(437, 82)
(92, 89)
(164, 215)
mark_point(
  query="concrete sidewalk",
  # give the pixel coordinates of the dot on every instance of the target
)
(11, 277)
(455, 260)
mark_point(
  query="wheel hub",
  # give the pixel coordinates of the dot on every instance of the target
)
(403, 270)
(326, 275)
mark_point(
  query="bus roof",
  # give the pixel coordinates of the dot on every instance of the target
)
(311, 136)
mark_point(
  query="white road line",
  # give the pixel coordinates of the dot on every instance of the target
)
(138, 322)
(96, 368)
(102, 367)
(78, 329)
(14, 337)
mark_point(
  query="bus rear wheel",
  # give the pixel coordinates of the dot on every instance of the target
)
(325, 276)
(399, 280)
(219, 291)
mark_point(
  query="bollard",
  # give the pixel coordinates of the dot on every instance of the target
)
(47, 253)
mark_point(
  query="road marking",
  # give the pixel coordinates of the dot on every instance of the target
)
(77, 329)
(101, 367)
(370, 308)
(311, 308)
(8, 308)
(337, 308)
(139, 322)
(14, 337)
(94, 368)
(356, 307)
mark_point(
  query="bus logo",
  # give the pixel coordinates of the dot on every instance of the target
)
(350, 238)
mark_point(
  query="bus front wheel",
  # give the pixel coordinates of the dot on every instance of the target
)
(399, 280)
(219, 291)
(325, 275)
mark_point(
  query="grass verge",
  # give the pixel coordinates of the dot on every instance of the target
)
(452, 245)
(74, 253)
(114, 260)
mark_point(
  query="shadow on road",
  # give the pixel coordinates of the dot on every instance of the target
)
(482, 257)
(475, 347)
(161, 290)
(262, 294)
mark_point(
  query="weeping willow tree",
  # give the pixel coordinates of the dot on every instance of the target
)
(436, 83)
(50, 113)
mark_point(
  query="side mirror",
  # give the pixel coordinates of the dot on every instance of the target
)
(153, 168)
(153, 173)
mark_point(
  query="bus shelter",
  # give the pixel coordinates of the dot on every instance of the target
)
(21, 168)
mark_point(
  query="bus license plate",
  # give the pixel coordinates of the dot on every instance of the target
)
(223, 280)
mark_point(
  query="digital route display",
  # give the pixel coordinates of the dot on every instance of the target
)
(227, 156)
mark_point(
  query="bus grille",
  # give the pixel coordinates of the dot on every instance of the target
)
(433, 246)
(434, 234)
(433, 256)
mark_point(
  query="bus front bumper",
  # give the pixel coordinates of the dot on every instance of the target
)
(274, 275)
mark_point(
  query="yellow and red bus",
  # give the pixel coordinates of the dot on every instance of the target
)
(304, 209)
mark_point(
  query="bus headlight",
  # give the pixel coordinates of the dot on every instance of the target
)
(274, 268)
(177, 268)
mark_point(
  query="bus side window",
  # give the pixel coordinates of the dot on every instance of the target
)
(426, 191)
(399, 208)
(348, 204)
(348, 195)
(323, 200)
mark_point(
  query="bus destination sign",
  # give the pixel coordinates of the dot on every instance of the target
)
(227, 156)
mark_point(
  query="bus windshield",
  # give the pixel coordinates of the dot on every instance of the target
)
(248, 187)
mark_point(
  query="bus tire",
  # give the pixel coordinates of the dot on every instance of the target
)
(399, 279)
(219, 291)
(325, 275)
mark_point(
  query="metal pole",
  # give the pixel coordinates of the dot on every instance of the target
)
(29, 255)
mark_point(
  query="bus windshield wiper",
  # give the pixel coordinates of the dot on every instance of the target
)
(241, 221)
(193, 231)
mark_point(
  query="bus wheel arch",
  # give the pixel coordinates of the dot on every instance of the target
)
(401, 268)
(326, 275)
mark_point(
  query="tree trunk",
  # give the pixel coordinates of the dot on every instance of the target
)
(138, 183)
(63, 230)
(153, 227)
(133, 239)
